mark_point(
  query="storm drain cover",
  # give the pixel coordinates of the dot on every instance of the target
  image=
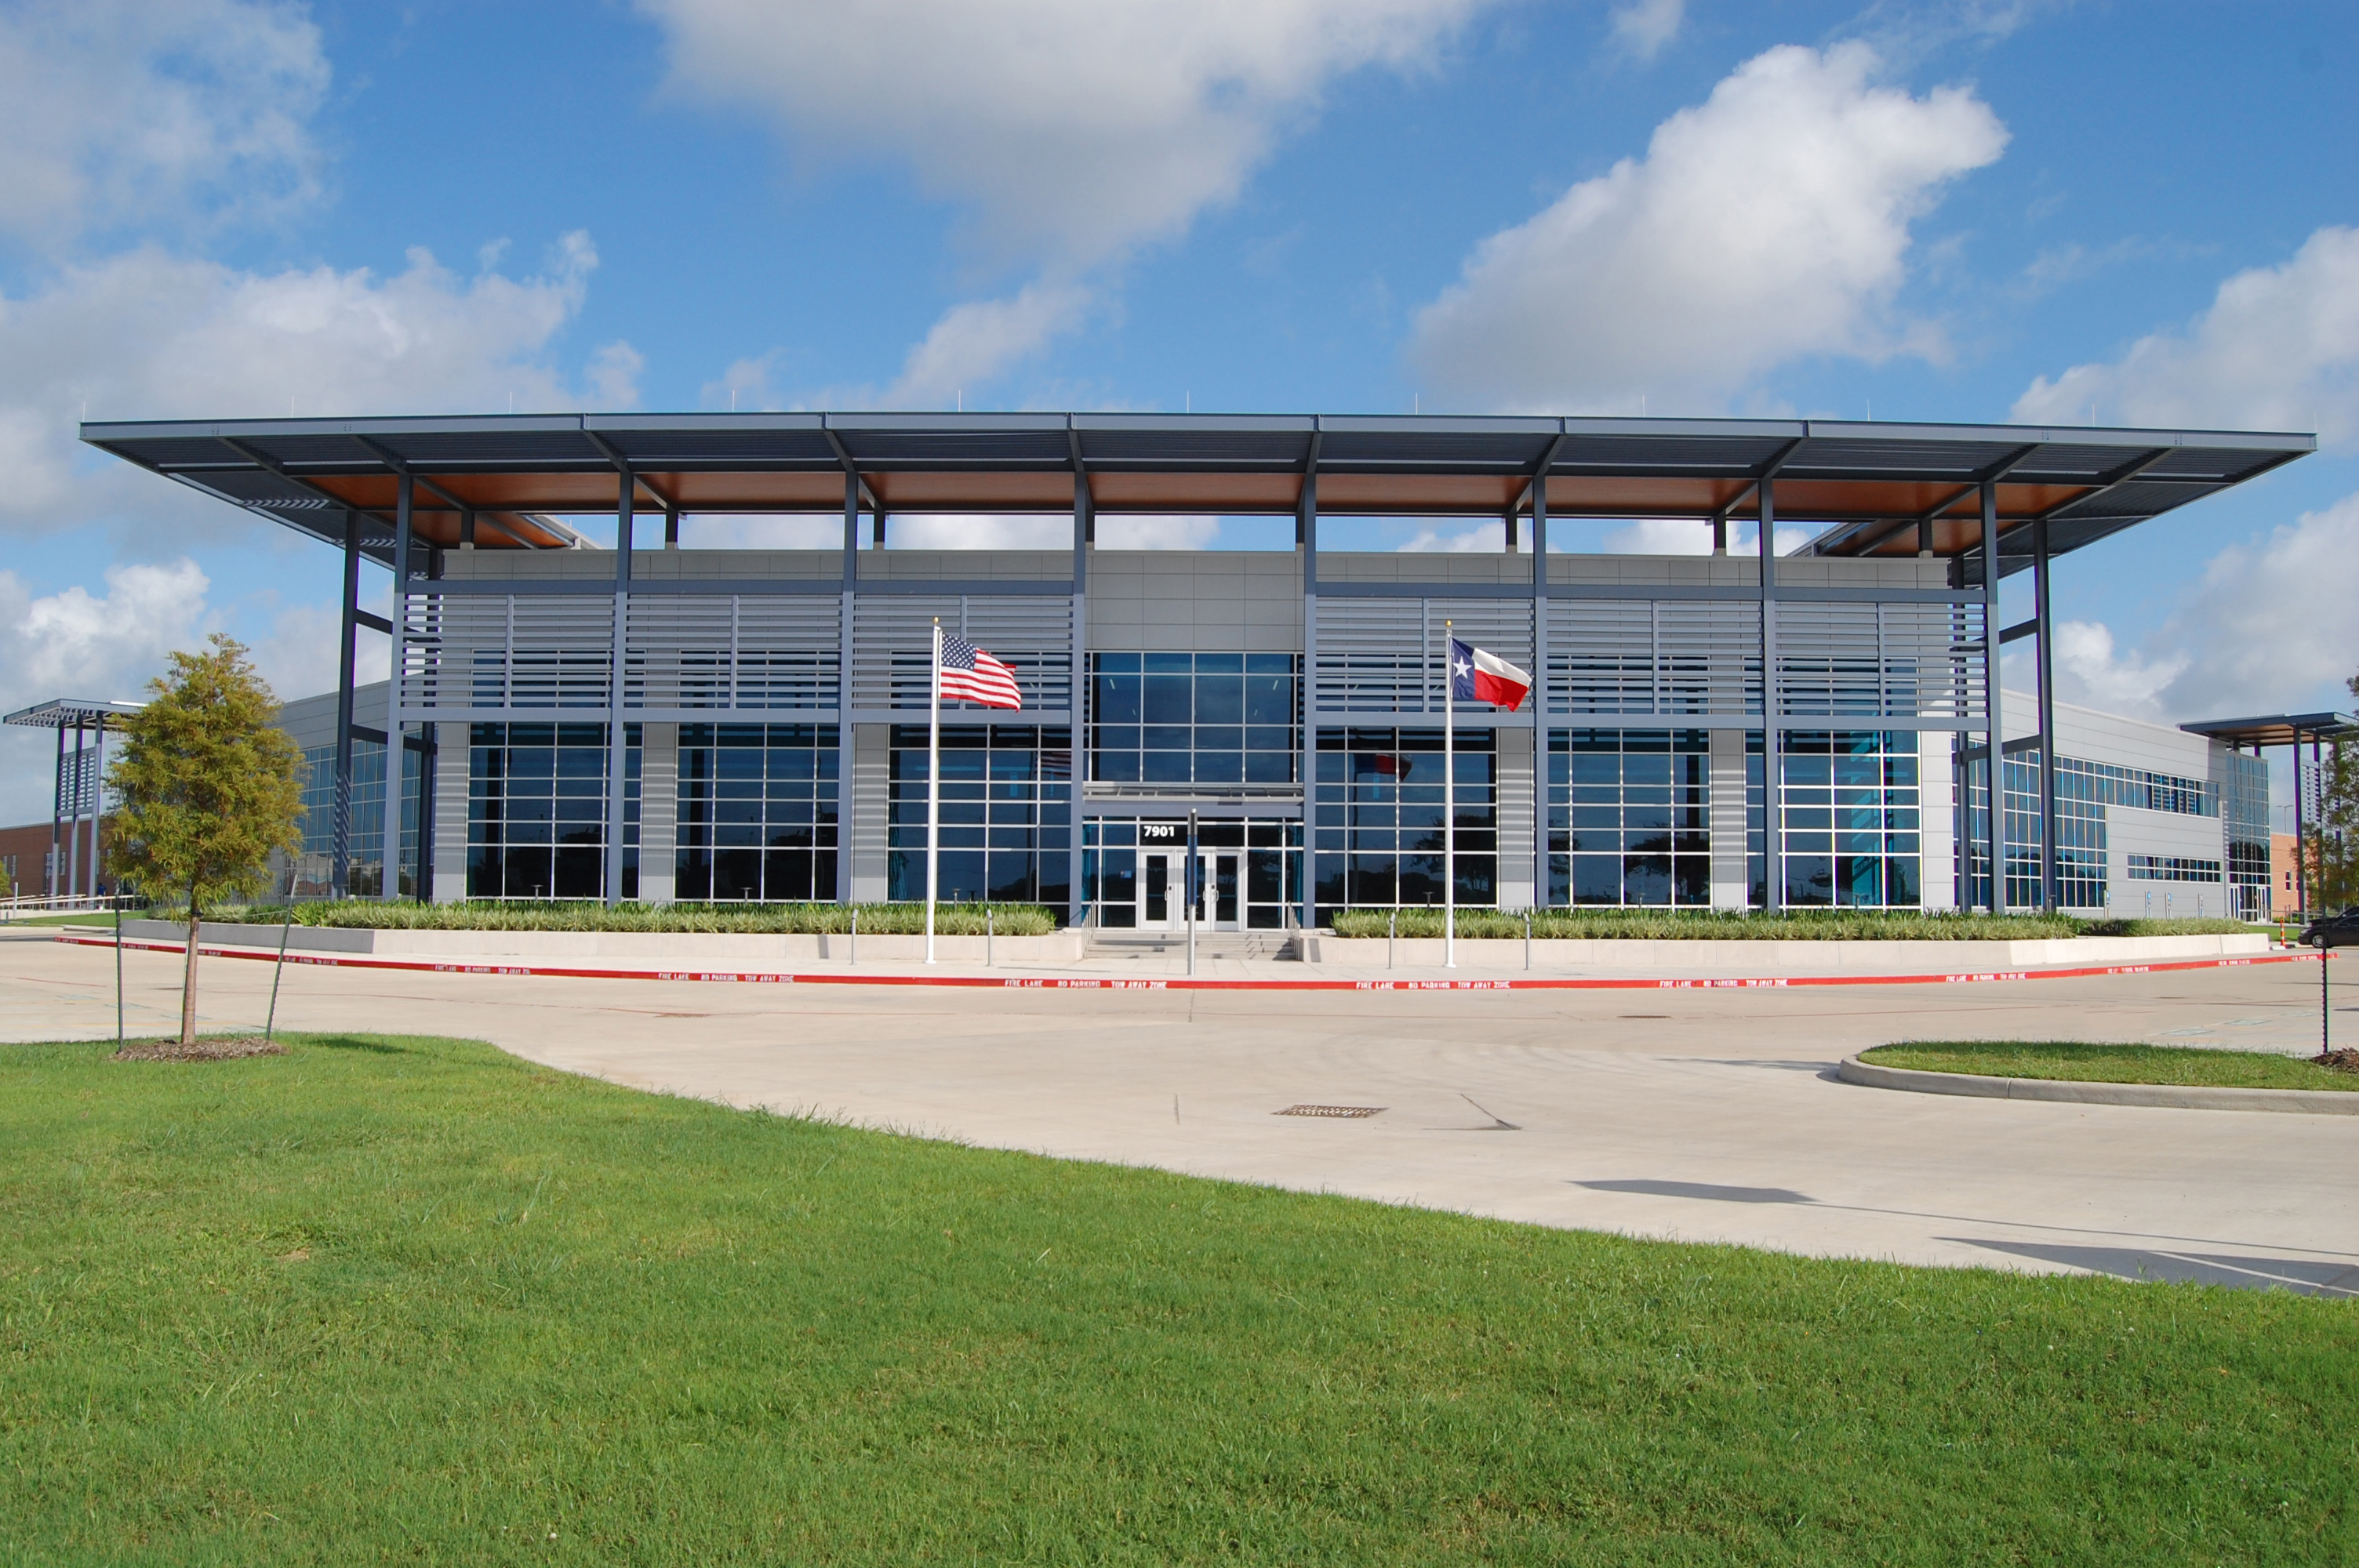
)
(1334, 1111)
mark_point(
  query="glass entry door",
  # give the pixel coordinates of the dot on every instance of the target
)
(1163, 890)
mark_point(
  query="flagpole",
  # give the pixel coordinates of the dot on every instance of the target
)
(1449, 803)
(933, 784)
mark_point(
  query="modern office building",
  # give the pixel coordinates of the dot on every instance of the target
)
(767, 735)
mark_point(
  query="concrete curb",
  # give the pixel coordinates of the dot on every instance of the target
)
(766, 976)
(2311, 1102)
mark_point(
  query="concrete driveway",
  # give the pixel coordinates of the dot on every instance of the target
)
(1695, 1115)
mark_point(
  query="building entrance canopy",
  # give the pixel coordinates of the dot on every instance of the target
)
(1877, 489)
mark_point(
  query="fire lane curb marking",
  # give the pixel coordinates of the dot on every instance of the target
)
(744, 976)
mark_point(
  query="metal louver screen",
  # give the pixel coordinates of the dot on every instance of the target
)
(767, 652)
(893, 645)
(1384, 655)
(506, 651)
(1654, 658)
(1880, 661)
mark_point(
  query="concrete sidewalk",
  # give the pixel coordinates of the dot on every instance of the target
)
(1697, 1114)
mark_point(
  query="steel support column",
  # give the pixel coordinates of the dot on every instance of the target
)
(1084, 505)
(340, 846)
(1773, 739)
(74, 813)
(55, 871)
(1993, 764)
(2300, 838)
(1540, 691)
(618, 779)
(844, 794)
(97, 802)
(2049, 892)
(390, 878)
(1306, 536)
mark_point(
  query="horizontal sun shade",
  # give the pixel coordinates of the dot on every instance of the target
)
(1860, 489)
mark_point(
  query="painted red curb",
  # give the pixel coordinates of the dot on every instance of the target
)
(739, 976)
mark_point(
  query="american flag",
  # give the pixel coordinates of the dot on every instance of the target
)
(970, 672)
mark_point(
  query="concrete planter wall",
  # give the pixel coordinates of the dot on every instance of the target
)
(683, 949)
(1769, 957)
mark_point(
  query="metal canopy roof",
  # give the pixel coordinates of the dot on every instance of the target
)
(1872, 487)
(2277, 729)
(61, 712)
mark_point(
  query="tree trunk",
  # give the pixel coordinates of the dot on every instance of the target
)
(189, 978)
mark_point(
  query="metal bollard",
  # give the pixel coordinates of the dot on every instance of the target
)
(986, 937)
(1392, 930)
(1528, 940)
(855, 934)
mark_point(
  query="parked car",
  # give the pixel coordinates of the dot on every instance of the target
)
(2333, 930)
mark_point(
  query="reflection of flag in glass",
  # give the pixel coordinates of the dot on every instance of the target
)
(1395, 768)
(970, 672)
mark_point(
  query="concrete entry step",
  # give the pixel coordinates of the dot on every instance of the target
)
(1263, 947)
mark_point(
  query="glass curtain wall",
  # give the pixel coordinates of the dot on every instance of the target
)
(1195, 719)
(536, 811)
(2086, 793)
(1629, 817)
(1849, 819)
(313, 870)
(2244, 812)
(1377, 820)
(1006, 830)
(758, 813)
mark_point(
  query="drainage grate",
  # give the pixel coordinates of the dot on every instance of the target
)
(1335, 1111)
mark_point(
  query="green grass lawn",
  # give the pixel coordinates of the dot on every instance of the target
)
(404, 1299)
(2078, 1062)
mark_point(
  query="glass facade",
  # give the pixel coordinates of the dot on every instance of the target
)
(2244, 814)
(1629, 817)
(536, 811)
(1378, 837)
(758, 813)
(1849, 819)
(1006, 824)
(1195, 719)
(313, 870)
(2086, 793)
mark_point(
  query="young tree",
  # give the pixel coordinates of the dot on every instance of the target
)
(209, 787)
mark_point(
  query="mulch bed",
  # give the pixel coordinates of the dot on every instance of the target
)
(2343, 1058)
(208, 1048)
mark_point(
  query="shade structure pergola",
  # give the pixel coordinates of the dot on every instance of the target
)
(79, 792)
(1873, 489)
(2262, 730)
(1992, 500)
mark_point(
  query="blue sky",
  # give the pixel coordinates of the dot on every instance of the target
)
(1940, 211)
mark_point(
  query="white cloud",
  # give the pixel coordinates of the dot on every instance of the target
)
(2278, 350)
(75, 642)
(78, 644)
(1768, 224)
(1075, 128)
(1684, 537)
(1072, 131)
(2273, 627)
(152, 113)
(1482, 539)
(1643, 26)
(146, 335)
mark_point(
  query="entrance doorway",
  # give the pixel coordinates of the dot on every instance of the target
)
(1164, 888)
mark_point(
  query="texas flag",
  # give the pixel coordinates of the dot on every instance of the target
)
(1478, 676)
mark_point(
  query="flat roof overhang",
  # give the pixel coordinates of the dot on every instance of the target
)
(60, 712)
(1868, 489)
(2276, 729)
